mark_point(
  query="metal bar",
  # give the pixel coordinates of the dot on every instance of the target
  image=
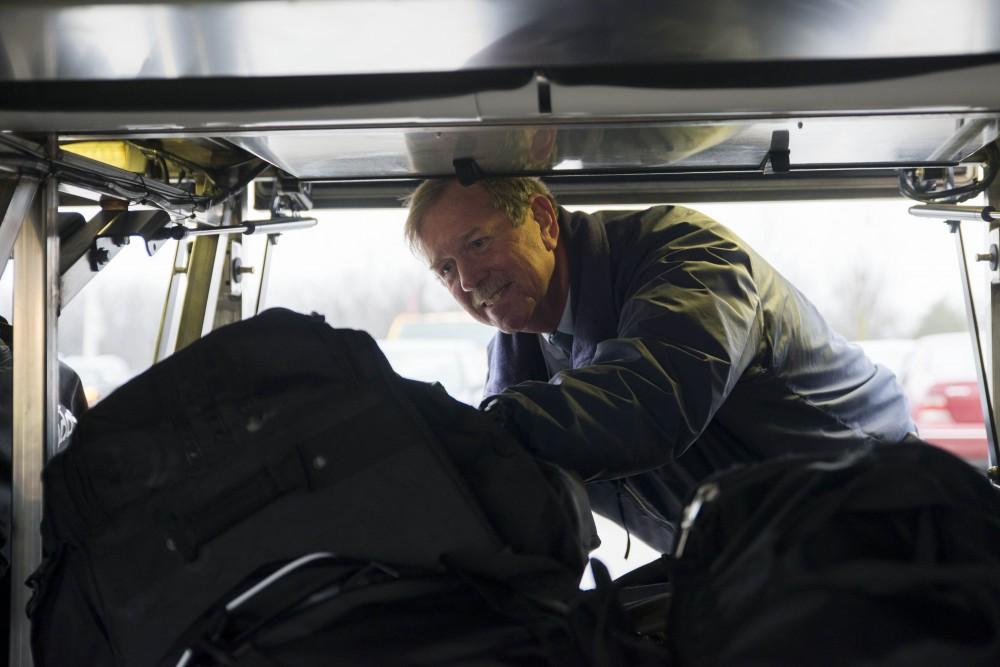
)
(227, 296)
(993, 197)
(746, 187)
(166, 338)
(21, 196)
(249, 228)
(955, 212)
(985, 396)
(203, 277)
(265, 270)
(36, 384)
(201, 271)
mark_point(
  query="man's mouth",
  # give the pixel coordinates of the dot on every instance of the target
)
(491, 299)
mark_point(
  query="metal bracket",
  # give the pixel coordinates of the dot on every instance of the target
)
(778, 158)
(291, 194)
(92, 247)
(468, 170)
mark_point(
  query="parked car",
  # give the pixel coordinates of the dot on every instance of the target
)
(941, 385)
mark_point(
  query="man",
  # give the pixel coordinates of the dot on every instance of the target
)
(644, 350)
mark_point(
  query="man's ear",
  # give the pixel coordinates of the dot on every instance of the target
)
(545, 215)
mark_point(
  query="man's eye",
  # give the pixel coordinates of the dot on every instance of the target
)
(445, 271)
(479, 243)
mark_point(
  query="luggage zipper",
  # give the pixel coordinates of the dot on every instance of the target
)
(706, 493)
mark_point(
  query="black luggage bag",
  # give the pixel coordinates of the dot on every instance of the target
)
(888, 556)
(265, 441)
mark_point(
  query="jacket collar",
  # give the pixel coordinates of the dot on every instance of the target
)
(591, 283)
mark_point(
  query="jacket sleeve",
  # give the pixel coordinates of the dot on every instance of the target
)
(689, 326)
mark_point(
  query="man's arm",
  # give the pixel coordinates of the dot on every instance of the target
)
(689, 327)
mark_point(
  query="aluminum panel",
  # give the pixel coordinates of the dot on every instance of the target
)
(736, 145)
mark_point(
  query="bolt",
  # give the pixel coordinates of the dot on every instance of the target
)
(992, 257)
(238, 269)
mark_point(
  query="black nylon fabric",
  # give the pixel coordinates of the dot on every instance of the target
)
(887, 557)
(265, 440)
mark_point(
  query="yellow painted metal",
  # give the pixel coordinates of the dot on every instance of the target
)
(121, 154)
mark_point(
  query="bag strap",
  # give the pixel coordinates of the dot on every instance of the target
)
(230, 628)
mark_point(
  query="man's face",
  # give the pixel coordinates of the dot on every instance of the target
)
(500, 274)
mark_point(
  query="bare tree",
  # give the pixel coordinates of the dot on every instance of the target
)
(861, 311)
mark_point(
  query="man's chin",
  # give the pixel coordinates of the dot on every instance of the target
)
(506, 323)
(495, 320)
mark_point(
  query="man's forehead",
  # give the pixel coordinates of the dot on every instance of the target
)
(458, 214)
(458, 197)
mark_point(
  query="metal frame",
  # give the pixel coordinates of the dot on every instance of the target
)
(22, 194)
(265, 271)
(205, 262)
(36, 386)
(983, 375)
(166, 339)
(993, 324)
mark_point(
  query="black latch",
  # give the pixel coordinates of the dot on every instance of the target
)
(778, 158)
(468, 170)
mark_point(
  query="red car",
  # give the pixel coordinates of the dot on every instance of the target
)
(940, 383)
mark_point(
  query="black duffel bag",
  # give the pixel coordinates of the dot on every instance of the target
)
(889, 556)
(266, 440)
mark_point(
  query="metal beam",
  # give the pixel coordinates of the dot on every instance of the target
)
(676, 188)
(265, 271)
(229, 296)
(36, 386)
(15, 200)
(198, 309)
(166, 339)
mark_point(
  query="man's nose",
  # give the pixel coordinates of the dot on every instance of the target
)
(469, 275)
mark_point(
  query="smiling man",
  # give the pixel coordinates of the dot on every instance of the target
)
(644, 350)
(512, 276)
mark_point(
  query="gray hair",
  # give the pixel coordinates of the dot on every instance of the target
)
(511, 196)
